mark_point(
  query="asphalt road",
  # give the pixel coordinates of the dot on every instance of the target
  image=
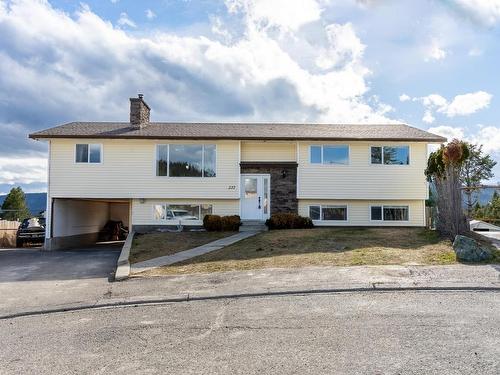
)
(343, 333)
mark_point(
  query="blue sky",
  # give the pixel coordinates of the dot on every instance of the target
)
(432, 64)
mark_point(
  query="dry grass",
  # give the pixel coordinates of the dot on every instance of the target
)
(323, 246)
(152, 245)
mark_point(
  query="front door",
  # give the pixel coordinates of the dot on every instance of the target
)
(255, 196)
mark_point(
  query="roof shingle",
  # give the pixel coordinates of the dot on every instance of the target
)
(243, 131)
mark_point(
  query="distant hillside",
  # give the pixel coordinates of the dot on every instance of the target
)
(36, 202)
(485, 194)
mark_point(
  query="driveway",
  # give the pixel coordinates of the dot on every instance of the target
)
(33, 278)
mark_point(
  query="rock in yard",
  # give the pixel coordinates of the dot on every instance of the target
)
(469, 250)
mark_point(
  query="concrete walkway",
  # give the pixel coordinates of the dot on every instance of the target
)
(188, 254)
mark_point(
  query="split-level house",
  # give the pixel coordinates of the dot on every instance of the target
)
(151, 174)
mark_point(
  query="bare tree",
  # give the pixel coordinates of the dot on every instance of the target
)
(444, 169)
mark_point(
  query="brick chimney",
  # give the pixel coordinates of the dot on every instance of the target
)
(139, 112)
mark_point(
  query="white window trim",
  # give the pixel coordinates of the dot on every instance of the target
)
(389, 165)
(174, 221)
(330, 164)
(88, 154)
(388, 206)
(188, 144)
(346, 206)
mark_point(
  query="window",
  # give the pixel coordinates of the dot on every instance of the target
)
(181, 211)
(88, 153)
(389, 213)
(315, 212)
(329, 154)
(183, 160)
(328, 213)
(376, 213)
(395, 213)
(399, 155)
(316, 154)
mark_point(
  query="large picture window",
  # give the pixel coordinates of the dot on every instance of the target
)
(88, 153)
(398, 155)
(178, 212)
(328, 213)
(329, 154)
(186, 160)
(389, 213)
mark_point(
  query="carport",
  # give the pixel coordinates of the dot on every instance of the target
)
(77, 222)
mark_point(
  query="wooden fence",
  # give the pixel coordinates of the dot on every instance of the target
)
(8, 231)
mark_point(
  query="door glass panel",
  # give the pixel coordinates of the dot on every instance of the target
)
(266, 195)
(250, 187)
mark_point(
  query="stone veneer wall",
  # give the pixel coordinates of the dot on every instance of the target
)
(283, 189)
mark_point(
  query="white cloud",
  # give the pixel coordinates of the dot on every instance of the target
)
(467, 104)
(448, 131)
(343, 46)
(22, 170)
(282, 13)
(124, 20)
(489, 137)
(434, 100)
(428, 117)
(150, 14)
(461, 105)
(434, 51)
(486, 12)
(404, 98)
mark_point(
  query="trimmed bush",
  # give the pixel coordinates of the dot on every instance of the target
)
(288, 221)
(216, 223)
(231, 223)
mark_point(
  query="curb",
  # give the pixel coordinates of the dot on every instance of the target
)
(123, 264)
(187, 298)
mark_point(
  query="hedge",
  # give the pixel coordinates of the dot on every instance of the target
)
(216, 223)
(288, 221)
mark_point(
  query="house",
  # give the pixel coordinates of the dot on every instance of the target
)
(150, 174)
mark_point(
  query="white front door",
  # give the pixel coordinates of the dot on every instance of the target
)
(255, 196)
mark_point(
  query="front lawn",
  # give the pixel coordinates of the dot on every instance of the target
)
(152, 245)
(323, 246)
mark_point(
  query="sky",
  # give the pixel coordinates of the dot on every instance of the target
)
(428, 63)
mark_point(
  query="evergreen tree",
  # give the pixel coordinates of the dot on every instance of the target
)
(14, 207)
(475, 169)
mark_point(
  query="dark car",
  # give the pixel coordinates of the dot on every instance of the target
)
(31, 231)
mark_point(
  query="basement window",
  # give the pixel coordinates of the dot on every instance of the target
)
(389, 213)
(328, 213)
(88, 153)
(165, 212)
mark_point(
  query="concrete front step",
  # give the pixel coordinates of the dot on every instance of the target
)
(253, 226)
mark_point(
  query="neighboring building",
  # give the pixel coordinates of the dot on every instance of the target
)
(150, 174)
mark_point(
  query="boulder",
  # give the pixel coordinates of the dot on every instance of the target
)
(469, 250)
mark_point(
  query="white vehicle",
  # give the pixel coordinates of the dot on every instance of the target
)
(180, 214)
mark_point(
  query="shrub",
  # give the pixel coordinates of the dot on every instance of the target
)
(231, 223)
(288, 221)
(216, 223)
(212, 223)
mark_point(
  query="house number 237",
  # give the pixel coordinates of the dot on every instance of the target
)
(231, 187)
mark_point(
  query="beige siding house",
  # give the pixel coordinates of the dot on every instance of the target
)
(151, 175)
